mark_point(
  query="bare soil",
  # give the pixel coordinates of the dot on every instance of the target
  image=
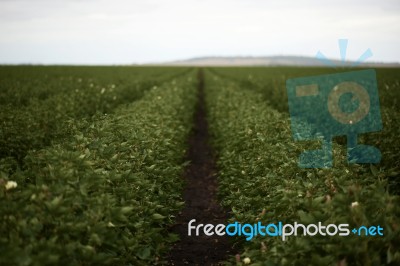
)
(200, 196)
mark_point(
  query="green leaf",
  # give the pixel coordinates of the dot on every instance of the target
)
(374, 170)
(158, 216)
(126, 210)
(144, 253)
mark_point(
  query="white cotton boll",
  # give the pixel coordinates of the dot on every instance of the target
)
(10, 185)
(246, 261)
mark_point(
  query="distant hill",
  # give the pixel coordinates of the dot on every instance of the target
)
(266, 61)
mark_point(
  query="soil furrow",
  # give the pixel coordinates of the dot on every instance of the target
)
(200, 196)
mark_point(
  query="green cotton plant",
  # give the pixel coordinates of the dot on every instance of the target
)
(271, 84)
(86, 92)
(259, 180)
(106, 194)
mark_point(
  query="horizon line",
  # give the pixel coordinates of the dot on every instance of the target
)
(185, 60)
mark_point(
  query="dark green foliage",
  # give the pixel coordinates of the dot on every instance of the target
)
(46, 101)
(260, 181)
(105, 195)
(271, 84)
(96, 154)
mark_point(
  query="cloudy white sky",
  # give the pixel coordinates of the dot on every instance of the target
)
(141, 31)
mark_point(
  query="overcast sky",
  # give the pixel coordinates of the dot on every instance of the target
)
(141, 31)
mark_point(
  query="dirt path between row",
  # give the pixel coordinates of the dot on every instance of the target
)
(200, 196)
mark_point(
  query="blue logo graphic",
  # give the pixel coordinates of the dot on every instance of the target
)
(322, 107)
